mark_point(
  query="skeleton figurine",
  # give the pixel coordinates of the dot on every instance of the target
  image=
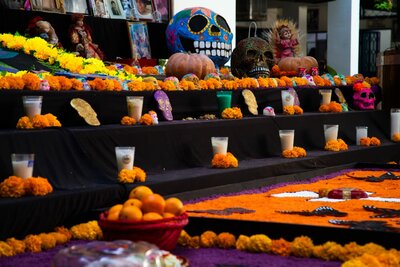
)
(363, 97)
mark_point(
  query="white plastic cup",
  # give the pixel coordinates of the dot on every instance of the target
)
(331, 132)
(361, 132)
(32, 105)
(125, 157)
(394, 122)
(287, 139)
(287, 98)
(219, 145)
(22, 165)
(326, 96)
(135, 106)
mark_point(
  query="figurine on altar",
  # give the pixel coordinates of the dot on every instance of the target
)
(80, 36)
(41, 28)
(287, 42)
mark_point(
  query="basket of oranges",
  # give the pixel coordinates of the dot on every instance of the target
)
(145, 216)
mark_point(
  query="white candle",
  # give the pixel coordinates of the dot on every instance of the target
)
(326, 96)
(361, 132)
(287, 139)
(135, 106)
(219, 145)
(125, 157)
(287, 98)
(331, 132)
(394, 122)
(22, 165)
(32, 105)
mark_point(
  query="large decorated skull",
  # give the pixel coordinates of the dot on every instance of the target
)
(202, 31)
(252, 57)
(364, 99)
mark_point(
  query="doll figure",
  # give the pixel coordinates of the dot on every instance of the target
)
(287, 43)
(80, 35)
(43, 29)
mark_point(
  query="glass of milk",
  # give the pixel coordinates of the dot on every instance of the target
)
(287, 139)
(125, 157)
(287, 98)
(361, 132)
(22, 165)
(326, 96)
(135, 106)
(219, 145)
(32, 105)
(394, 122)
(331, 132)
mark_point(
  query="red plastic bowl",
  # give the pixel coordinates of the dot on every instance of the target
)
(164, 233)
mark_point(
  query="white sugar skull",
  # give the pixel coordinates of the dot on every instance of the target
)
(269, 111)
(44, 85)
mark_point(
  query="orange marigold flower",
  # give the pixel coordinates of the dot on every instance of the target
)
(65, 83)
(243, 243)
(13, 186)
(53, 121)
(184, 238)
(64, 231)
(140, 174)
(117, 85)
(232, 113)
(54, 83)
(275, 70)
(375, 141)
(24, 123)
(38, 186)
(59, 237)
(280, 247)
(335, 107)
(40, 121)
(126, 176)
(146, 119)
(4, 83)
(77, 84)
(342, 145)
(33, 243)
(226, 240)
(31, 81)
(302, 247)
(396, 137)
(288, 110)
(224, 161)
(224, 70)
(301, 152)
(208, 239)
(48, 241)
(365, 141)
(298, 110)
(150, 70)
(18, 246)
(126, 120)
(289, 153)
(6, 250)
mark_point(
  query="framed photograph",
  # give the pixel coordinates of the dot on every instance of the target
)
(14, 4)
(128, 10)
(143, 10)
(139, 38)
(76, 6)
(114, 8)
(162, 10)
(99, 8)
(56, 6)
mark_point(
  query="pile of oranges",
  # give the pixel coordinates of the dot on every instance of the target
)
(144, 204)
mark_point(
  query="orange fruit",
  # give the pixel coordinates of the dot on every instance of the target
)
(151, 216)
(140, 192)
(115, 208)
(130, 213)
(168, 215)
(133, 202)
(174, 205)
(153, 203)
(113, 215)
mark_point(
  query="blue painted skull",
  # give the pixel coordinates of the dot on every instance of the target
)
(202, 31)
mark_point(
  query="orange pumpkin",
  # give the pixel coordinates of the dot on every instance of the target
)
(293, 63)
(180, 64)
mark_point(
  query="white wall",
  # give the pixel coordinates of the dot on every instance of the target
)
(225, 8)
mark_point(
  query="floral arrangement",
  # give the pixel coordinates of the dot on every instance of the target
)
(296, 152)
(15, 187)
(126, 176)
(224, 161)
(336, 145)
(126, 120)
(292, 110)
(38, 122)
(232, 113)
(44, 241)
(149, 70)
(333, 106)
(146, 119)
(396, 137)
(373, 141)
(350, 254)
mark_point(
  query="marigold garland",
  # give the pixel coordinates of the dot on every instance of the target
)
(87, 231)
(224, 161)
(373, 141)
(331, 107)
(15, 186)
(126, 120)
(336, 145)
(38, 122)
(232, 113)
(126, 176)
(296, 152)
(292, 110)
(37, 186)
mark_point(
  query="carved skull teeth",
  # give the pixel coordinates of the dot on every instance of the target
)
(212, 48)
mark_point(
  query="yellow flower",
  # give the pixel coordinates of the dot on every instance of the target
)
(208, 239)
(243, 243)
(302, 247)
(260, 243)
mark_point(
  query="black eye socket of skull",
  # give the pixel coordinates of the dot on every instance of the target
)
(222, 23)
(363, 95)
(251, 53)
(198, 23)
(371, 95)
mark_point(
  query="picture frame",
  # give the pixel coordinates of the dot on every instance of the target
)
(162, 10)
(128, 9)
(139, 39)
(143, 10)
(55, 6)
(114, 8)
(99, 8)
(76, 6)
(14, 4)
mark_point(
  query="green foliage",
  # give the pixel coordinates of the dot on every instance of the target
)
(386, 5)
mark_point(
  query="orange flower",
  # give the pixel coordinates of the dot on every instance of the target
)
(396, 137)
(126, 176)
(65, 83)
(15, 82)
(13, 186)
(302, 247)
(40, 121)
(140, 174)
(365, 141)
(168, 85)
(298, 110)
(97, 84)
(77, 84)
(136, 86)
(54, 83)
(275, 70)
(146, 119)
(33, 243)
(24, 123)
(288, 110)
(117, 85)
(224, 161)
(336, 145)
(232, 113)
(208, 239)
(150, 70)
(126, 120)
(296, 152)
(375, 141)
(280, 247)
(4, 83)
(48, 241)
(37, 186)
(331, 107)
(318, 80)
(18, 246)
(226, 240)
(224, 70)
(31, 81)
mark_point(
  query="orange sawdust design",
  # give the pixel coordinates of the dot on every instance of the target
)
(266, 205)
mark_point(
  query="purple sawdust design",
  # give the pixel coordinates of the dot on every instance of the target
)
(320, 211)
(367, 225)
(385, 176)
(226, 211)
(383, 212)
